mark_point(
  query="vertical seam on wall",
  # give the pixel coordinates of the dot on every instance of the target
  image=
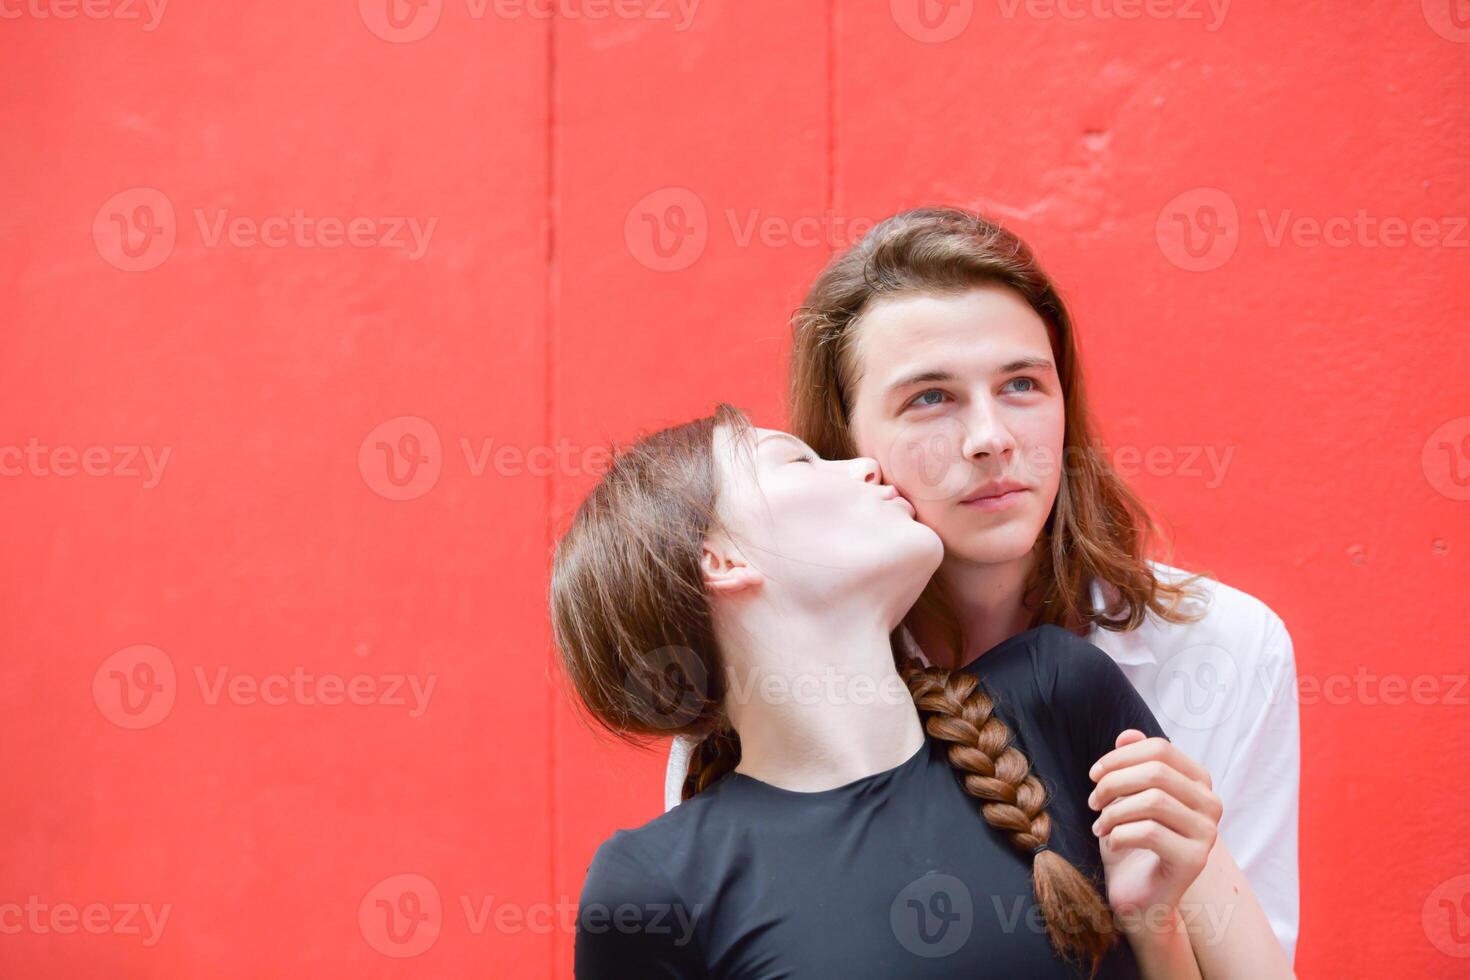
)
(831, 203)
(547, 421)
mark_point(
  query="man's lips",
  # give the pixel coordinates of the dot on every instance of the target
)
(995, 497)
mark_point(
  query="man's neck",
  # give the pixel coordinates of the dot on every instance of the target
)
(821, 704)
(989, 601)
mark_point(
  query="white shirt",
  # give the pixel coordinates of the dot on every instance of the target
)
(1224, 689)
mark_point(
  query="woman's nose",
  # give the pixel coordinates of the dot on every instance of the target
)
(865, 468)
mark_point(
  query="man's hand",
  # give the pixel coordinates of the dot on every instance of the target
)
(1159, 821)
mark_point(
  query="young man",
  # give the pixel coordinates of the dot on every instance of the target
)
(939, 347)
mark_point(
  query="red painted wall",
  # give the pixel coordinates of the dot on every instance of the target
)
(273, 453)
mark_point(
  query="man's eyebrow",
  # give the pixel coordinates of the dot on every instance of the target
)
(1028, 364)
(921, 377)
(934, 375)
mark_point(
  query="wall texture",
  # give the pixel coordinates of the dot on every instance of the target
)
(316, 320)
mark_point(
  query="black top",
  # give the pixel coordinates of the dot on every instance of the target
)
(894, 875)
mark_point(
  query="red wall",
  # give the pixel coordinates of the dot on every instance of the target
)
(272, 541)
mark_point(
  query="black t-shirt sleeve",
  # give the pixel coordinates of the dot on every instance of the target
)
(1091, 696)
(631, 923)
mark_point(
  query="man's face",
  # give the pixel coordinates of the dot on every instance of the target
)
(957, 397)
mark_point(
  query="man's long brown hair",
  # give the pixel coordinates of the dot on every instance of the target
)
(632, 622)
(1098, 529)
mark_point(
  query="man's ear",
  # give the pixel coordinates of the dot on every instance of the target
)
(725, 570)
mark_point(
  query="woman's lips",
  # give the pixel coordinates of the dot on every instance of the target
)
(907, 506)
(998, 502)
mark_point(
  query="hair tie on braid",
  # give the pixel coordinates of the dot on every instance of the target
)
(1040, 847)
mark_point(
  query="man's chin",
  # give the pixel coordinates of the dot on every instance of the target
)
(997, 548)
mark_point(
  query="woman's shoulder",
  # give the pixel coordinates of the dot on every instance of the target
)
(633, 917)
(638, 865)
(1053, 658)
(661, 832)
(654, 855)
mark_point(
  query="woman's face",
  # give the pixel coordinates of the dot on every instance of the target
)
(823, 530)
(957, 397)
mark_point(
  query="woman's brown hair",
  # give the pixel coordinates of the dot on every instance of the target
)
(1098, 529)
(631, 620)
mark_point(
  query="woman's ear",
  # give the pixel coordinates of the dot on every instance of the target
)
(725, 570)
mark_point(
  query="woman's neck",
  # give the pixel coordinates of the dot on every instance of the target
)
(818, 702)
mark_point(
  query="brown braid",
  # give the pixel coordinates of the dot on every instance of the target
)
(956, 710)
(715, 755)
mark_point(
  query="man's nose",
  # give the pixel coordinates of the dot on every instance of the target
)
(986, 433)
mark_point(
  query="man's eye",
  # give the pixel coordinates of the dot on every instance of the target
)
(919, 399)
(803, 459)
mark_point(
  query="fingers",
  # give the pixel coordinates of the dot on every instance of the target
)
(1158, 806)
(1176, 850)
(1147, 750)
(1156, 774)
(1127, 737)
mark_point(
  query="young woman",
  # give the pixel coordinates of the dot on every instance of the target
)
(723, 582)
(939, 347)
